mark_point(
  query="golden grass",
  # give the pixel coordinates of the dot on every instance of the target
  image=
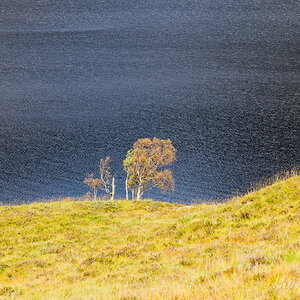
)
(247, 248)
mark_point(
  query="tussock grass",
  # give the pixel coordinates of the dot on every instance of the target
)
(247, 248)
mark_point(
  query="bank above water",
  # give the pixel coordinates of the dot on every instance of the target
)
(245, 248)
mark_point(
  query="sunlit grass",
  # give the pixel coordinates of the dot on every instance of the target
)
(247, 248)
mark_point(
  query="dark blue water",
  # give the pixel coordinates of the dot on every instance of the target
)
(81, 80)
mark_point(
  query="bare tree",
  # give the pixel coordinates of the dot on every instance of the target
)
(126, 164)
(107, 180)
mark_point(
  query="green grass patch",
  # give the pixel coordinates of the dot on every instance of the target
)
(246, 248)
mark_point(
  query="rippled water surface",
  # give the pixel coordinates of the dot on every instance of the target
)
(80, 80)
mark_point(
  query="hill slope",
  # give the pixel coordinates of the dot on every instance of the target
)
(246, 248)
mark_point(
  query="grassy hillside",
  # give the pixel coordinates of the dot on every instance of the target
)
(248, 248)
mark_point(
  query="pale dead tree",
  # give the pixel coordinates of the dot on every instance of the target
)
(106, 179)
(126, 164)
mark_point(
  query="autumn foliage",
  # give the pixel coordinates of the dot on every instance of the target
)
(93, 183)
(146, 166)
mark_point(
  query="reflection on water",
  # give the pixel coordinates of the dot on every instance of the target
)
(80, 80)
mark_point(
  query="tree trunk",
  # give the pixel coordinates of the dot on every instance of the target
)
(113, 189)
(132, 195)
(126, 187)
(95, 194)
(139, 189)
(138, 194)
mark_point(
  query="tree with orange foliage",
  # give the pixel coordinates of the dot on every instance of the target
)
(146, 166)
(93, 183)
